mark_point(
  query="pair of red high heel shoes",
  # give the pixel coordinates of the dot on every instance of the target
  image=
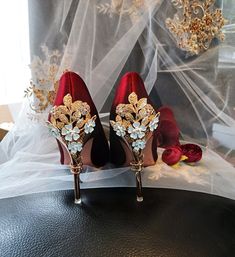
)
(136, 127)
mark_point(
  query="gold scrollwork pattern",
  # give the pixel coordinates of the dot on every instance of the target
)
(196, 24)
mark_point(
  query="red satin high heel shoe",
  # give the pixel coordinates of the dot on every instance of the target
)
(75, 123)
(133, 130)
(168, 131)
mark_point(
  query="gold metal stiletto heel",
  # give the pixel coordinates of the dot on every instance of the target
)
(76, 170)
(71, 124)
(137, 167)
(135, 123)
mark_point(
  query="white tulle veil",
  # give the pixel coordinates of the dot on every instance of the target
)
(101, 40)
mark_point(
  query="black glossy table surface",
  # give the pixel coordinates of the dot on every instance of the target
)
(111, 223)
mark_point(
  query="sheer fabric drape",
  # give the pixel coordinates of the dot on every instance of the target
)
(101, 40)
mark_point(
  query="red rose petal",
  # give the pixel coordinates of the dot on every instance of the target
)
(192, 151)
(172, 155)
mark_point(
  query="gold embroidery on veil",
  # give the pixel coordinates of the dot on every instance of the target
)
(119, 7)
(196, 25)
(44, 83)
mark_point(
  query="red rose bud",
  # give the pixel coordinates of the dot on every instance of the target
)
(192, 151)
(172, 155)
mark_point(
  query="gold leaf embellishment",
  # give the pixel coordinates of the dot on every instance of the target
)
(134, 122)
(70, 123)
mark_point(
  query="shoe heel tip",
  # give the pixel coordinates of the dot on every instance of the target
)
(78, 201)
(139, 199)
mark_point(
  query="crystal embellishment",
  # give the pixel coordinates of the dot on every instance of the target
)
(135, 121)
(70, 123)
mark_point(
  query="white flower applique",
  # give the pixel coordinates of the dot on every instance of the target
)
(138, 145)
(75, 147)
(153, 124)
(119, 129)
(89, 126)
(53, 130)
(70, 133)
(137, 130)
